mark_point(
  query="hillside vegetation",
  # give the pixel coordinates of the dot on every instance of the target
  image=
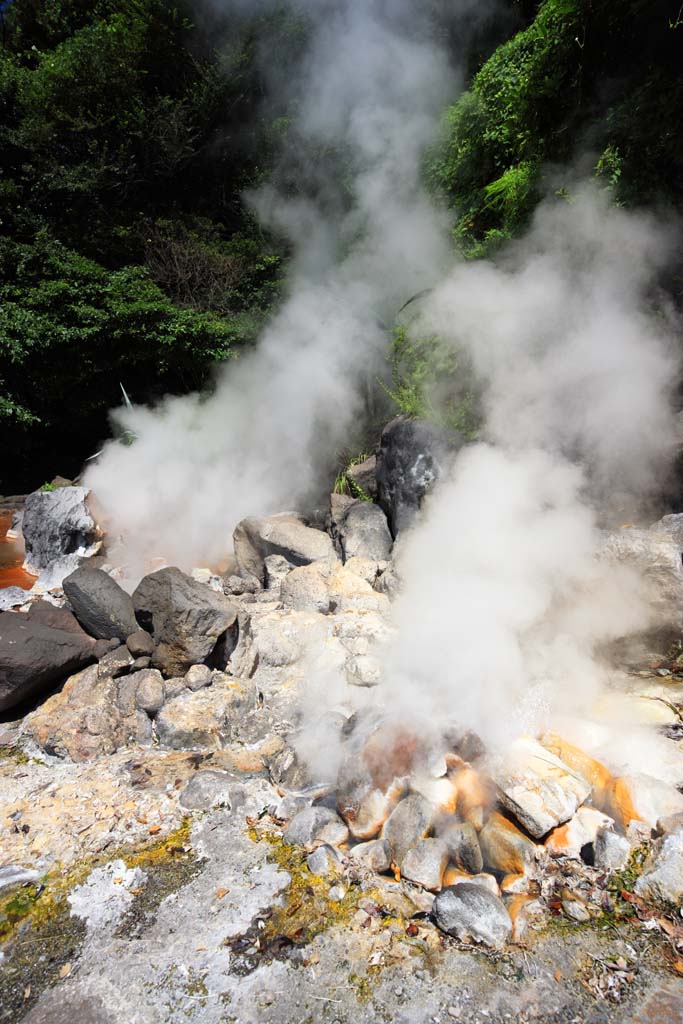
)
(130, 131)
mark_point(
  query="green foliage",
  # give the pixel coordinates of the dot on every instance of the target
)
(583, 75)
(430, 380)
(126, 254)
(70, 330)
(345, 484)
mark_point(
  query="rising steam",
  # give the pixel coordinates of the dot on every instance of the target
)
(372, 85)
(504, 600)
(577, 370)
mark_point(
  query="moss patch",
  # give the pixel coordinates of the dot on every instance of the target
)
(40, 936)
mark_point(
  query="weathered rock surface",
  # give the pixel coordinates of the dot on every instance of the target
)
(58, 531)
(582, 830)
(611, 852)
(504, 848)
(102, 607)
(374, 855)
(84, 719)
(186, 619)
(115, 663)
(470, 912)
(304, 589)
(315, 825)
(149, 690)
(364, 476)
(425, 863)
(411, 458)
(206, 719)
(407, 824)
(140, 644)
(286, 535)
(463, 847)
(634, 798)
(657, 559)
(197, 677)
(35, 656)
(361, 530)
(662, 878)
(539, 789)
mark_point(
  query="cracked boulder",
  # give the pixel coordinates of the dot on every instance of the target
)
(472, 913)
(84, 720)
(255, 539)
(187, 620)
(538, 789)
(58, 530)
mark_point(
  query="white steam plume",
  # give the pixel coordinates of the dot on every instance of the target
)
(504, 600)
(372, 83)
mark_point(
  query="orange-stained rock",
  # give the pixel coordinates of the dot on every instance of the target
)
(453, 875)
(474, 796)
(505, 848)
(579, 761)
(521, 908)
(569, 839)
(634, 798)
(515, 884)
(442, 793)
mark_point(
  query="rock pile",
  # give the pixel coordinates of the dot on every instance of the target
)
(494, 841)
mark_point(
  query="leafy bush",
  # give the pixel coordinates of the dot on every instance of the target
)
(431, 380)
(584, 76)
(70, 331)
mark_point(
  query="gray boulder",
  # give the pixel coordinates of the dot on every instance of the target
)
(360, 529)
(426, 863)
(305, 589)
(149, 691)
(662, 879)
(407, 824)
(315, 825)
(286, 535)
(463, 847)
(412, 456)
(101, 606)
(471, 912)
(34, 657)
(186, 619)
(656, 555)
(58, 531)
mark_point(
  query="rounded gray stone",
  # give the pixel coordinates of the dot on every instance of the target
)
(469, 911)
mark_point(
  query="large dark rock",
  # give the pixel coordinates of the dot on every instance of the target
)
(412, 456)
(35, 656)
(101, 606)
(58, 531)
(186, 619)
(287, 535)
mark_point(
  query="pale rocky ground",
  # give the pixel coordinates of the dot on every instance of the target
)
(158, 887)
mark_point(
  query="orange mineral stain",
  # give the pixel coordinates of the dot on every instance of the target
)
(12, 573)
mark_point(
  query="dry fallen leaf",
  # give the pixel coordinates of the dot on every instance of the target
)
(154, 830)
(678, 966)
(27, 993)
(221, 893)
(118, 881)
(558, 975)
(65, 970)
(135, 892)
